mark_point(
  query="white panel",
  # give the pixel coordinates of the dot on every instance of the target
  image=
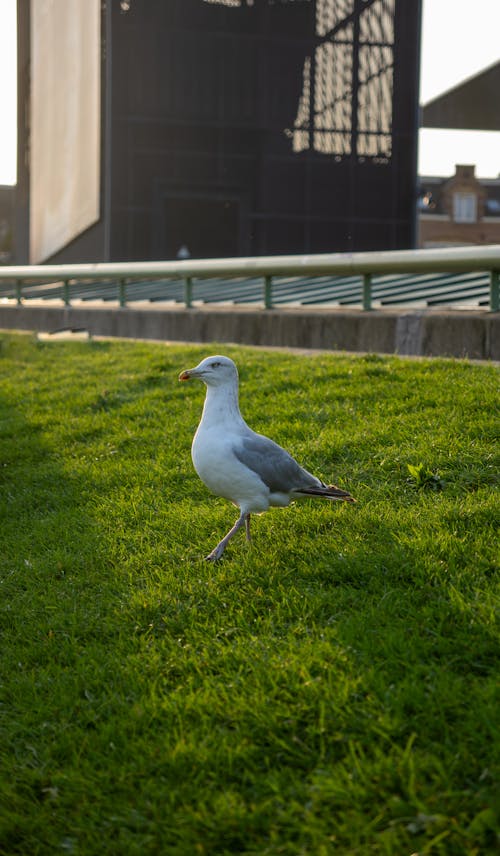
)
(65, 122)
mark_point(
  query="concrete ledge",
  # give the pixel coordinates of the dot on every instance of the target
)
(432, 333)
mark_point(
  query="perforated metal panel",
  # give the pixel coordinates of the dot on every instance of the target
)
(346, 105)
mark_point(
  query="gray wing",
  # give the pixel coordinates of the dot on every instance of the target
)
(277, 469)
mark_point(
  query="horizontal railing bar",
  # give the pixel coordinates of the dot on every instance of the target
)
(459, 259)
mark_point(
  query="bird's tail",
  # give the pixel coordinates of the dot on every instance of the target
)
(328, 491)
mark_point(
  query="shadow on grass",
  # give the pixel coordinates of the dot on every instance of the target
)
(60, 631)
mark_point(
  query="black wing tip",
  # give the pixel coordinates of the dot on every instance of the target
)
(329, 491)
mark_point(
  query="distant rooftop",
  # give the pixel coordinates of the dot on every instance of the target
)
(472, 105)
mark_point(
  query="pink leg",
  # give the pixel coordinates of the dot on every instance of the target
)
(221, 546)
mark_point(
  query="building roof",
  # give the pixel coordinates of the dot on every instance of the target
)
(417, 290)
(471, 105)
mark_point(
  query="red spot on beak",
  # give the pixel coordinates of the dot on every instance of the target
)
(184, 375)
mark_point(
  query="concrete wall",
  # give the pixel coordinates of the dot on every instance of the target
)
(432, 333)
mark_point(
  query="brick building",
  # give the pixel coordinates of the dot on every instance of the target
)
(461, 210)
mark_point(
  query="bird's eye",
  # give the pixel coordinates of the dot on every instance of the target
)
(215, 365)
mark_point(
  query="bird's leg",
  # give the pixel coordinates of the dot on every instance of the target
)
(221, 546)
(247, 526)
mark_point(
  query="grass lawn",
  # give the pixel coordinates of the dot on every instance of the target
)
(331, 688)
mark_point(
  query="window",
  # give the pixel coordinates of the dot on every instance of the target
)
(464, 207)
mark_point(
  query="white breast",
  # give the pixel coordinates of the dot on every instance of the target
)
(223, 474)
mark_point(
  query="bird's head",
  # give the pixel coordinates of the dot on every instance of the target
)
(214, 371)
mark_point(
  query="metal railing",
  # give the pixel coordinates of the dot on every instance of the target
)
(366, 265)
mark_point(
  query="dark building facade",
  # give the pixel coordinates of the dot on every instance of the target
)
(250, 127)
(7, 204)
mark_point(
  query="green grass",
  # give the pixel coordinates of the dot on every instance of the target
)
(331, 688)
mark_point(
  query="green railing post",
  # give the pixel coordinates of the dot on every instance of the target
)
(19, 292)
(268, 292)
(367, 291)
(188, 292)
(66, 296)
(122, 289)
(494, 291)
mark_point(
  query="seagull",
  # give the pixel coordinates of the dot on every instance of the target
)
(234, 462)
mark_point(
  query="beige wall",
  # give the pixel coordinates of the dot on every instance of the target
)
(65, 122)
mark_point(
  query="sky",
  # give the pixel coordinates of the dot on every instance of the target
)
(459, 38)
